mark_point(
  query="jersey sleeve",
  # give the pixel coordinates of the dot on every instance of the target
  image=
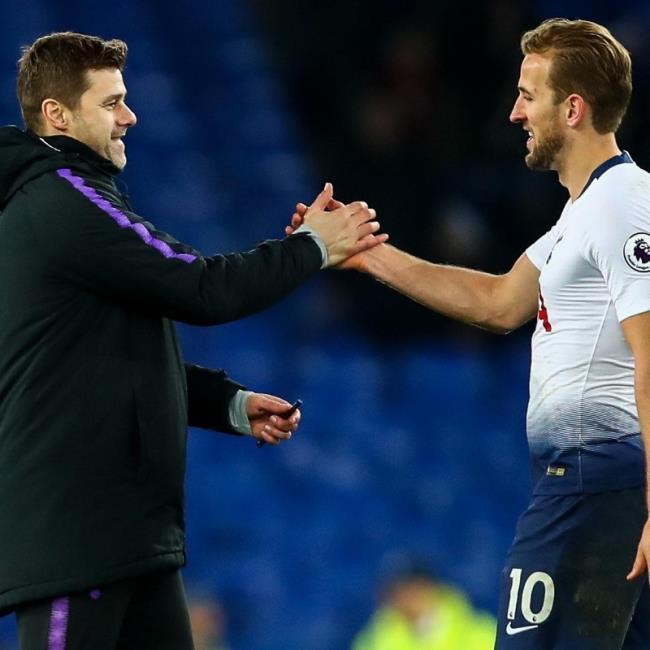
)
(539, 251)
(618, 245)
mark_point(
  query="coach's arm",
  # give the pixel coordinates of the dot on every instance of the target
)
(637, 333)
(214, 401)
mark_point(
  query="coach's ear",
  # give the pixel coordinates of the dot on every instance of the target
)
(55, 115)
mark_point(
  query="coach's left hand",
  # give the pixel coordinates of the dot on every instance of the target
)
(642, 561)
(266, 419)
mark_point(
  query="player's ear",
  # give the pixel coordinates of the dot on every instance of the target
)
(575, 110)
(55, 114)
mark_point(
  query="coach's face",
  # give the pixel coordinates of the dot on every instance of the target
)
(536, 110)
(102, 117)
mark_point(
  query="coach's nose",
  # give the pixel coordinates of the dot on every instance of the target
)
(127, 117)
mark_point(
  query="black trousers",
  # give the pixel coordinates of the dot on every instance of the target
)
(144, 613)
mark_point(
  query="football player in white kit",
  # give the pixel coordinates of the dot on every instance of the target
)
(573, 576)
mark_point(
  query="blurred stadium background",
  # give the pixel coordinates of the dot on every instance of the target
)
(412, 442)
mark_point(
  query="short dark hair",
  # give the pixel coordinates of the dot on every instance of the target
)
(588, 60)
(55, 66)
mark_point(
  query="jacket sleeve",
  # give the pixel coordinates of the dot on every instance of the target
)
(209, 393)
(108, 250)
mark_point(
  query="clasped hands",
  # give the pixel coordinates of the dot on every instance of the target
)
(346, 230)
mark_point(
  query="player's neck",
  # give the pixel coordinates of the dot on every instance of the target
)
(582, 158)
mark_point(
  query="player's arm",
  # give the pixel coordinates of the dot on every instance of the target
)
(637, 332)
(499, 303)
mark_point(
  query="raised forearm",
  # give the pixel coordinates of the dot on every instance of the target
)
(463, 294)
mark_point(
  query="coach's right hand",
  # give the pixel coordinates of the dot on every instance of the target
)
(345, 231)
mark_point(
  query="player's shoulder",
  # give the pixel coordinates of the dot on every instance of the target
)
(623, 192)
(624, 183)
(618, 207)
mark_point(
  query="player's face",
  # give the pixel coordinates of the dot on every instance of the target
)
(102, 118)
(536, 110)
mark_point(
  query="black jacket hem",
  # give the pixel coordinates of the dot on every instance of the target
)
(65, 586)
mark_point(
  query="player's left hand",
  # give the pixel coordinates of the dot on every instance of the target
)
(642, 561)
(266, 419)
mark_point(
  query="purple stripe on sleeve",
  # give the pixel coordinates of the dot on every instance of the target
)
(121, 219)
(58, 632)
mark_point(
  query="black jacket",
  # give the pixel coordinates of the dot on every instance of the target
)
(94, 396)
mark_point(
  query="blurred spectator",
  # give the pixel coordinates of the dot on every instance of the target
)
(208, 621)
(419, 613)
(457, 233)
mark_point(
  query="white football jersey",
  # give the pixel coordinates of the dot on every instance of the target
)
(594, 272)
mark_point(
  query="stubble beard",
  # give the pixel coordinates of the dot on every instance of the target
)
(104, 149)
(118, 159)
(545, 152)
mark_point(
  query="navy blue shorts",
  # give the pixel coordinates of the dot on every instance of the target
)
(564, 586)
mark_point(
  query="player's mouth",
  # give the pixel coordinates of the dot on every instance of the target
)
(530, 140)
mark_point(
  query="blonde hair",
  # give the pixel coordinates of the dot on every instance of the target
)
(589, 61)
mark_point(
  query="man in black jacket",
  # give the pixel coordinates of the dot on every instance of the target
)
(94, 396)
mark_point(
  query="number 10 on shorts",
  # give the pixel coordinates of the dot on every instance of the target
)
(534, 579)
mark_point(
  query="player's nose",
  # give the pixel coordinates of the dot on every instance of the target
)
(517, 113)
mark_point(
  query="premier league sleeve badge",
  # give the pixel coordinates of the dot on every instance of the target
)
(637, 252)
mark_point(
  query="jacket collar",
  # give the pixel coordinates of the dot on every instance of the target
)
(68, 145)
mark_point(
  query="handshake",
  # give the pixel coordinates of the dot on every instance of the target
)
(346, 230)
